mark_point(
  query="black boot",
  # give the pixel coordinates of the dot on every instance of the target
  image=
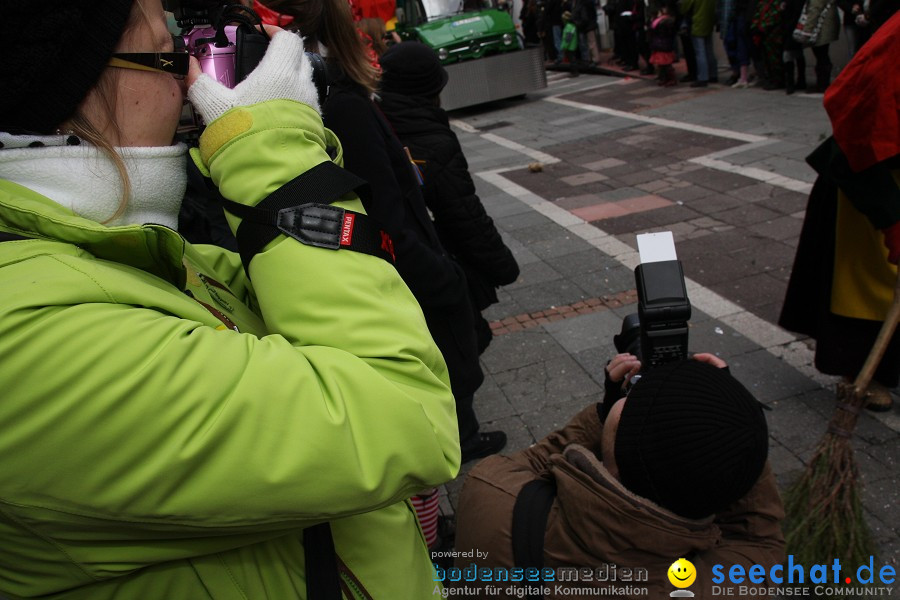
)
(823, 78)
(801, 73)
(789, 78)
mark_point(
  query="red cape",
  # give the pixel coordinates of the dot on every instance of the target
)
(863, 103)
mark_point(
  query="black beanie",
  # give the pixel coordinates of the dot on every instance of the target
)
(53, 53)
(412, 69)
(691, 438)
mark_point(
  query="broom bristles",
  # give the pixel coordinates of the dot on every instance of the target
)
(825, 515)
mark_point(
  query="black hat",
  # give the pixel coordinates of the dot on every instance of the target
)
(691, 438)
(412, 69)
(54, 52)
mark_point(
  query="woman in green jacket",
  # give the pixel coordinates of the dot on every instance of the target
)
(177, 424)
(702, 14)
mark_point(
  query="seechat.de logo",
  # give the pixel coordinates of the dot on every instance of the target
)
(797, 579)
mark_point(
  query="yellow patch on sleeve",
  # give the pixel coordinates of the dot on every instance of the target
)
(223, 130)
(198, 160)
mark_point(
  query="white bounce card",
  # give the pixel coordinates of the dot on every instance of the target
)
(656, 247)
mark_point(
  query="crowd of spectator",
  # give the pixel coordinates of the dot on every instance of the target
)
(764, 40)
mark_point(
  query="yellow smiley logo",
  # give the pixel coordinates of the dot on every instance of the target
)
(682, 573)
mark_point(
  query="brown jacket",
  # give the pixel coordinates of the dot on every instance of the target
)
(595, 521)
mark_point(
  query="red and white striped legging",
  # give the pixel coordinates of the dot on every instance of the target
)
(426, 505)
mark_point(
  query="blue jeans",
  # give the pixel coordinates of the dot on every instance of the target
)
(856, 37)
(557, 41)
(707, 67)
(737, 43)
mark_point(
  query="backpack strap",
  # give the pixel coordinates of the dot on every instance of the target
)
(529, 523)
(322, 579)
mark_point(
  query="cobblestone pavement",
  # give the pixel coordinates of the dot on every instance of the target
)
(724, 171)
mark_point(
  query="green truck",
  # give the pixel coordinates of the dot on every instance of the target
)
(478, 45)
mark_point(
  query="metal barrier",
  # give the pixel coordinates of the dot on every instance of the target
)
(494, 77)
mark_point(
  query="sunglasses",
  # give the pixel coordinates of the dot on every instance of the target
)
(175, 63)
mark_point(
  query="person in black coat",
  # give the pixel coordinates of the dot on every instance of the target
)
(371, 151)
(545, 30)
(584, 14)
(630, 34)
(862, 19)
(411, 83)
(793, 51)
(529, 16)
(553, 10)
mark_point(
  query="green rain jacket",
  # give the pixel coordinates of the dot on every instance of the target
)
(150, 451)
(702, 14)
(569, 38)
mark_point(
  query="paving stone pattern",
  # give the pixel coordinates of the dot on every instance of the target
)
(610, 175)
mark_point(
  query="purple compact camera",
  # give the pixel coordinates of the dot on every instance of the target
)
(223, 35)
(228, 41)
(217, 61)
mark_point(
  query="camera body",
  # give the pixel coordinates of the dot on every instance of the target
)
(217, 61)
(224, 37)
(658, 332)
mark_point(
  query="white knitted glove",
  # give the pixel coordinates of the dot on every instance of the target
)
(284, 72)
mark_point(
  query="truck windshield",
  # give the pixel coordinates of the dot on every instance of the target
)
(442, 8)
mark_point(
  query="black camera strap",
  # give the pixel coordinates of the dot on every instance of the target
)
(322, 576)
(250, 46)
(529, 524)
(12, 237)
(312, 223)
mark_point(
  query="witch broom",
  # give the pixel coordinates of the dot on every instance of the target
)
(824, 512)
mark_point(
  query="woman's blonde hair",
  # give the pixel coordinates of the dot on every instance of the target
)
(330, 22)
(106, 88)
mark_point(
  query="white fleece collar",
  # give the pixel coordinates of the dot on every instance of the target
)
(80, 177)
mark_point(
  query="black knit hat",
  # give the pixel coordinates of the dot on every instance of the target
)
(690, 438)
(412, 69)
(54, 51)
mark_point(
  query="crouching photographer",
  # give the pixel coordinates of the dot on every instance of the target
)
(675, 469)
(181, 421)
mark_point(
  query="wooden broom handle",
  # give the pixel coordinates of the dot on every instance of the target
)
(881, 344)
